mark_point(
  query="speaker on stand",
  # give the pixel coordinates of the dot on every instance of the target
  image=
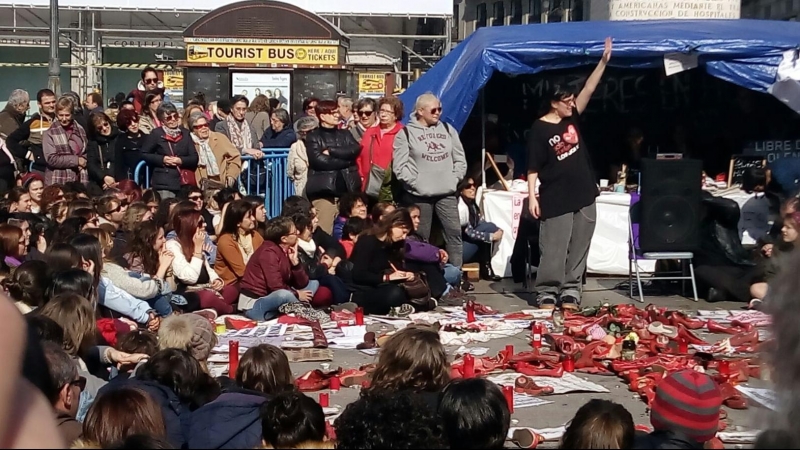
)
(669, 215)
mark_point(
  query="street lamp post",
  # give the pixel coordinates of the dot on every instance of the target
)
(54, 66)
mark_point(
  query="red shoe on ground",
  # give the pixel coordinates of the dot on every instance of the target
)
(525, 385)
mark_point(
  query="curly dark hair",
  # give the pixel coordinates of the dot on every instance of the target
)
(290, 419)
(390, 420)
(141, 246)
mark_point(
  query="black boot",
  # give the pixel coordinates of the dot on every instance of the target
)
(486, 271)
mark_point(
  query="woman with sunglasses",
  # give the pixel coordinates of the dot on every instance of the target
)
(100, 153)
(170, 151)
(219, 161)
(479, 235)
(332, 154)
(112, 211)
(196, 278)
(128, 146)
(377, 147)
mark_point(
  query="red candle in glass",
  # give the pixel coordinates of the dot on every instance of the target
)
(469, 366)
(509, 351)
(569, 364)
(724, 367)
(536, 341)
(683, 346)
(359, 316)
(324, 400)
(508, 393)
(233, 358)
(470, 308)
(336, 384)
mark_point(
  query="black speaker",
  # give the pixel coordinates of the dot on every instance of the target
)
(670, 205)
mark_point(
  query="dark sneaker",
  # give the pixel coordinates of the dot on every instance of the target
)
(570, 302)
(452, 299)
(466, 286)
(546, 302)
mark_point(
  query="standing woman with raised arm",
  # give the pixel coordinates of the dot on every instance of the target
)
(558, 157)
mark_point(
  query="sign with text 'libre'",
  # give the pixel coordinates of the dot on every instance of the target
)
(262, 54)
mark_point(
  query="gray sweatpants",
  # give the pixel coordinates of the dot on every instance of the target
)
(564, 245)
(446, 209)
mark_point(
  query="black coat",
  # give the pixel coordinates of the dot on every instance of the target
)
(128, 155)
(156, 147)
(336, 173)
(100, 160)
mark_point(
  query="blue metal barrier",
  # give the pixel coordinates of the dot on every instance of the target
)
(277, 188)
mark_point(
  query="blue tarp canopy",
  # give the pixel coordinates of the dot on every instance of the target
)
(744, 52)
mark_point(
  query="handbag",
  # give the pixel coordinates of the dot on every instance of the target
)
(188, 177)
(375, 176)
(419, 293)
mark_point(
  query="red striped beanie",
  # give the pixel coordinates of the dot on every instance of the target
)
(687, 402)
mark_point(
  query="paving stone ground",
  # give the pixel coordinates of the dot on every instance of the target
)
(506, 297)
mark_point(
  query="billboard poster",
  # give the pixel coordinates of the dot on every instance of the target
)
(371, 84)
(271, 84)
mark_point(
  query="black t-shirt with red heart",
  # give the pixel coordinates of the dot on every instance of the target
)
(557, 152)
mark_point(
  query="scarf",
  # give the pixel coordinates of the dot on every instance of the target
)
(245, 243)
(309, 247)
(207, 158)
(241, 137)
(172, 134)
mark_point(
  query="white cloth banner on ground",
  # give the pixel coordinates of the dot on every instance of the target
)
(564, 385)
(764, 397)
(608, 254)
(528, 401)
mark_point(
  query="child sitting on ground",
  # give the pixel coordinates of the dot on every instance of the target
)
(352, 229)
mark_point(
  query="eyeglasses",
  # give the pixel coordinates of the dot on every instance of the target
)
(567, 101)
(195, 198)
(385, 111)
(200, 127)
(80, 382)
(365, 113)
(436, 110)
(470, 185)
(151, 80)
(103, 126)
(172, 116)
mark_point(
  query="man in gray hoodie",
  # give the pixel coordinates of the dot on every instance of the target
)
(429, 161)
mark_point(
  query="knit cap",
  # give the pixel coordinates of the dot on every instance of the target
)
(190, 332)
(687, 402)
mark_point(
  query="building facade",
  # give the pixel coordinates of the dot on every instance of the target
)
(105, 44)
(771, 9)
(469, 15)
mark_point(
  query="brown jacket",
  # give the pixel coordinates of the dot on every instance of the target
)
(230, 264)
(71, 430)
(228, 159)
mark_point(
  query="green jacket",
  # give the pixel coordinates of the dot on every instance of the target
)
(390, 189)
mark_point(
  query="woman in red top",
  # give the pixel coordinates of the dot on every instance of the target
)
(377, 143)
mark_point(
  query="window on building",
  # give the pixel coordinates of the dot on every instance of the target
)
(480, 16)
(455, 31)
(789, 6)
(576, 14)
(498, 14)
(516, 12)
(767, 12)
(535, 11)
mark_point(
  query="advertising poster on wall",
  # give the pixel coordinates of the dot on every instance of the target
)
(371, 84)
(173, 86)
(273, 85)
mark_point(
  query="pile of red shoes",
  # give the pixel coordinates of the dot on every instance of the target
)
(317, 380)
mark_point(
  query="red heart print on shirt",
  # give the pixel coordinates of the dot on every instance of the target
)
(571, 136)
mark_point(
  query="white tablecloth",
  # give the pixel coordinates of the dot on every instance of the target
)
(608, 254)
